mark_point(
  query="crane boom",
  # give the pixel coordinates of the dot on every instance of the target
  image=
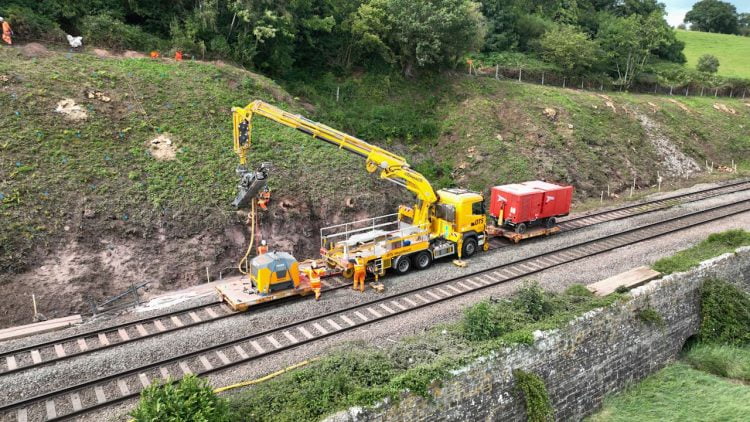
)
(392, 167)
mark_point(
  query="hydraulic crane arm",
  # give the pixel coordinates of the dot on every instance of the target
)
(392, 167)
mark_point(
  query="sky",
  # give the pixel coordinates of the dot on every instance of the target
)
(676, 9)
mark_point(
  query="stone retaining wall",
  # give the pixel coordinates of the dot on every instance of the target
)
(597, 354)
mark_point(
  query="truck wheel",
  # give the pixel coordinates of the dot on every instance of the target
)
(521, 228)
(403, 265)
(423, 260)
(470, 247)
(550, 222)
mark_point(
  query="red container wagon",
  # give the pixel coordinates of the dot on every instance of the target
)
(521, 205)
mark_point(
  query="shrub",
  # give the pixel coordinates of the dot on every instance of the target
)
(532, 300)
(479, 322)
(725, 313)
(538, 406)
(191, 399)
(28, 24)
(708, 63)
(107, 31)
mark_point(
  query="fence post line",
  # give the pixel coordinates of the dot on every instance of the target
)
(686, 91)
(563, 81)
(656, 87)
(542, 78)
(337, 93)
(743, 93)
(497, 69)
(702, 88)
(601, 86)
(716, 92)
(519, 73)
(731, 91)
(670, 90)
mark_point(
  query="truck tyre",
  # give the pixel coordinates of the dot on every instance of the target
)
(470, 247)
(550, 222)
(422, 260)
(403, 265)
(521, 228)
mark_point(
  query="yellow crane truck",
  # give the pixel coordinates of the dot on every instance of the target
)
(441, 223)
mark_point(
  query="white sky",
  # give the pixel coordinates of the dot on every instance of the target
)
(676, 9)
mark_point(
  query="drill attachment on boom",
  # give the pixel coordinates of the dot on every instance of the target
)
(251, 183)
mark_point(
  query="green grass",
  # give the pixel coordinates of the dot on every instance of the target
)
(715, 245)
(733, 51)
(360, 375)
(678, 393)
(721, 360)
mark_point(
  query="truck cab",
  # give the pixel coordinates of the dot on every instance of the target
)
(458, 217)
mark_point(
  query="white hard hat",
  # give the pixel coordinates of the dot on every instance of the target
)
(1, 19)
(263, 242)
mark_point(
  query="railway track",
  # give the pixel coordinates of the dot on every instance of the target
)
(78, 345)
(88, 396)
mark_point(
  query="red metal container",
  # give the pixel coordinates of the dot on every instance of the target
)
(529, 201)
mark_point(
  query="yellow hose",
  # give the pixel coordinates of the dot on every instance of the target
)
(267, 377)
(252, 239)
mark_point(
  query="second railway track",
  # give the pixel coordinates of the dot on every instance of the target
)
(85, 397)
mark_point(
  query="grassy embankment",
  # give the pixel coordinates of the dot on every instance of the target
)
(471, 132)
(733, 51)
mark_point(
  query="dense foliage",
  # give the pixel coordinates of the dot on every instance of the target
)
(280, 37)
(713, 16)
(538, 405)
(725, 314)
(189, 400)
(708, 63)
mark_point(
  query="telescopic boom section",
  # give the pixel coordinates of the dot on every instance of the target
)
(392, 167)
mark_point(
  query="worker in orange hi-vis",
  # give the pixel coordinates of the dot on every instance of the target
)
(359, 273)
(178, 55)
(154, 54)
(263, 247)
(7, 32)
(313, 274)
(264, 197)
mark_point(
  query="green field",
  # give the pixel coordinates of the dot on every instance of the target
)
(733, 51)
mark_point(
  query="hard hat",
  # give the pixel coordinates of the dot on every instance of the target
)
(1, 19)
(263, 242)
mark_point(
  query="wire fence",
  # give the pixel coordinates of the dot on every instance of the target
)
(593, 83)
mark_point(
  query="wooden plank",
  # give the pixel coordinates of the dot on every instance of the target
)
(630, 279)
(39, 327)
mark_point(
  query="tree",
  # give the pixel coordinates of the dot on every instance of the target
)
(708, 64)
(713, 16)
(569, 48)
(743, 20)
(418, 34)
(630, 42)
